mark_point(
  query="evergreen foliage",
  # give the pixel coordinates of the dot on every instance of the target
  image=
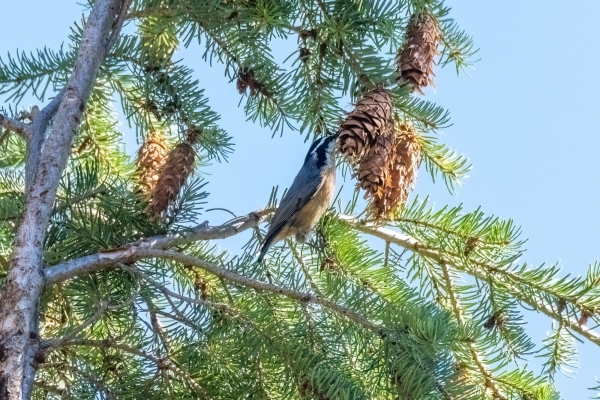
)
(436, 315)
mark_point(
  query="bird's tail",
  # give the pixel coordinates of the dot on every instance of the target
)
(265, 247)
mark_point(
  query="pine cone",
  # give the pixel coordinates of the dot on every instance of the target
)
(370, 118)
(402, 174)
(415, 61)
(150, 159)
(374, 169)
(178, 167)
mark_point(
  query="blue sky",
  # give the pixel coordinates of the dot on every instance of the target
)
(525, 117)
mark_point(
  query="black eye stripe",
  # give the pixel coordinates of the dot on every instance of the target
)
(319, 148)
(315, 144)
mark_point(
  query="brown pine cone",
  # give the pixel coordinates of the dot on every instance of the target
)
(371, 117)
(415, 61)
(177, 168)
(373, 171)
(402, 175)
(150, 159)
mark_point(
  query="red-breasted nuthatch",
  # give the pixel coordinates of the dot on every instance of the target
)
(308, 198)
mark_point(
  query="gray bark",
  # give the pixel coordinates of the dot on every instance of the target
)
(37, 136)
(20, 295)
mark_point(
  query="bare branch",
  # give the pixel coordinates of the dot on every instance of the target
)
(97, 262)
(21, 128)
(118, 24)
(413, 245)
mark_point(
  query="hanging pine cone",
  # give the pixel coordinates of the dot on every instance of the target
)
(370, 118)
(415, 61)
(150, 159)
(402, 174)
(178, 167)
(374, 168)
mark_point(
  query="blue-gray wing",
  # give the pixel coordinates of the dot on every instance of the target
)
(302, 190)
(304, 187)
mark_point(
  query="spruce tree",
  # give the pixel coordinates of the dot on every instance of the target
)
(112, 287)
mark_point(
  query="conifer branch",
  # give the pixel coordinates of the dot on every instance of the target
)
(101, 189)
(156, 326)
(305, 270)
(237, 314)
(234, 59)
(51, 344)
(346, 52)
(179, 318)
(169, 294)
(333, 319)
(105, 306)
(258, 285)
(91, 379)
(489, 380)
(436, 255)
(452, 293)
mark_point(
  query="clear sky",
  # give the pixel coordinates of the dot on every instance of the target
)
(526, 117)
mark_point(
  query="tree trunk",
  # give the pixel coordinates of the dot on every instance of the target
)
(20, 295)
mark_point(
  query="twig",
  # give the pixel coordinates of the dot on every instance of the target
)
(50, 344)
(77, 199)
(155, 324)
(13, 125)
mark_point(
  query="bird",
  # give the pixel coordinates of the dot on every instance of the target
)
(308, 198)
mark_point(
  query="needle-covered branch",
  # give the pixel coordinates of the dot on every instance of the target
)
(477, 269)
(138, 253)
(153, 307)
(255, 284)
